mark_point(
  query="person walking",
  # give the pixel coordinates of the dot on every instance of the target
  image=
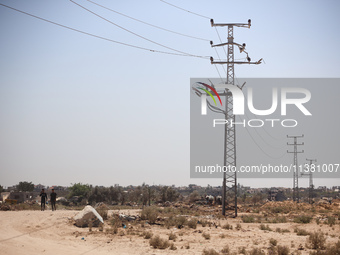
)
(43, 199)
(53, 200)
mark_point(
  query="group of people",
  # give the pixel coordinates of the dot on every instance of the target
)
(53, 197)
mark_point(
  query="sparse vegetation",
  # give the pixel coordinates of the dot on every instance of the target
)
(225, 250)
(147, 234)
(209, 252)
(304, 219)
(265, 227)
(150, 214)
(206, 236)
(172, 247)
(301, 232)
(248, 218)
(330, 221)
(238, 226)
(159, 243)
(273, 241)
(317, 241)
(283, 250)
(172, 237)
(227, 226)
(282, 230)
(256, 251)
(192, 223)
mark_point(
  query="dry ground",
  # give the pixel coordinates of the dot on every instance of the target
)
(36, 232)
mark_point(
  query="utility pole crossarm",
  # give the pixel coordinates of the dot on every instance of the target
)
(246, 25)
(234, 62)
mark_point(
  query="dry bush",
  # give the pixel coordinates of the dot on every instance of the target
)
(210, 252)
(150, 214)
(301, 232)
(330, 221)
(227, 226)
(238, 226)
(225, 250)
(256, 251)
(206, 236)
(242, 250)
(147, 234)
(205, 223)
(192, 223)
(222, 235)
(248, 218)
(282, 230)
(273, 241)
(265, 227)
(317, 241)
(282, 219)
(283, 250)
(159, 243)
(172, 237)
(172, 247)
(304, 219)
(179, 222)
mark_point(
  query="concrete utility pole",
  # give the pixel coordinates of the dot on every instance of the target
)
(230, 132)
(296, 196)
(310, 174)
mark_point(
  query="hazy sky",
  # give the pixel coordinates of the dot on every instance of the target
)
(74, 108)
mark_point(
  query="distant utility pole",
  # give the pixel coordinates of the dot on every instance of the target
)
(310, 174)
(296, 196)
(229, 132)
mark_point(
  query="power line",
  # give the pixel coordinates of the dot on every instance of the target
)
(185, 10)
(129, 31)
(146, 23)
(272, 146)
(268, 155)
(100, 37)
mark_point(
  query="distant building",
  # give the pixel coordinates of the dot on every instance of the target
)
(20, 197)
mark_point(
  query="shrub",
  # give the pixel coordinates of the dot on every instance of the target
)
(238, 226)
(301, 232)
(180, 221)
(210, 252)
(225, 250)
(282, 230)
(172, 236)
(192, 224)
(282, 219)
(330, 221)
(273, 241)
(173, 247)
(227, 226)
(242, 250)
(206, 236)
(147, 234)
(256, 251)
(317, 241)
(159, 243)
(303, 219)
(248, 218)
(265, 227)
(150, 214)
(282, 250)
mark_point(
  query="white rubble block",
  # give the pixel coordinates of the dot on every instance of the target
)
(87, 215)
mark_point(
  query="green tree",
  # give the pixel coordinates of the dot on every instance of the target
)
(25, 186)
(79, 189)
(1, 189)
